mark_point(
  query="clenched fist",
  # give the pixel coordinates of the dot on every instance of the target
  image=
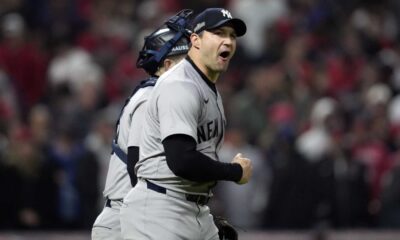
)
(246, 165)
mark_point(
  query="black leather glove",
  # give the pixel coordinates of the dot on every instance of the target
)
(225, 230)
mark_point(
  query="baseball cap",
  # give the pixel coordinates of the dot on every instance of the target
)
(212, 18)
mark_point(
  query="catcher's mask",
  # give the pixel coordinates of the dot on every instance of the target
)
(171, 39)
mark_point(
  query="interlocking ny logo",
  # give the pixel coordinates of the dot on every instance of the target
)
(226, 13)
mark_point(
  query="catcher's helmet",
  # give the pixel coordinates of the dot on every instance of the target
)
(171, 39)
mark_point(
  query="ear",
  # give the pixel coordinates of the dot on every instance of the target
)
(195, 40)
(168, 63)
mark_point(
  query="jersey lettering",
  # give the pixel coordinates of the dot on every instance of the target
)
(208, 131)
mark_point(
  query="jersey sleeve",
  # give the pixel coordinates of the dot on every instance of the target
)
(179, 109)
(136, 125)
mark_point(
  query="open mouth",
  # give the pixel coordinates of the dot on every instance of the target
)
(224, 55)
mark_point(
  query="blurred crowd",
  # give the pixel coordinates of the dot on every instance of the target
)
(312, 96)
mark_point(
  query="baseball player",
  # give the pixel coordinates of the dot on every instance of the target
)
(162, 49)
(183, 130)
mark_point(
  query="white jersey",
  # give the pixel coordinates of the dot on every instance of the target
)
(118, 182)
(183, 101)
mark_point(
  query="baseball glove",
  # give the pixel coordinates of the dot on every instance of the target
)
(225, 230)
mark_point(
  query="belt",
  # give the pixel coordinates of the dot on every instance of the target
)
(108, 201)
(199, 199)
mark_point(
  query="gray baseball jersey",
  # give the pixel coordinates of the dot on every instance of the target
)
(118, 182)
(182, 102)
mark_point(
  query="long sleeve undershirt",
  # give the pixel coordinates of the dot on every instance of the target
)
(133, 157)
(185, 161)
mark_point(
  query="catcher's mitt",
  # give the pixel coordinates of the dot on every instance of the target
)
(225, 230)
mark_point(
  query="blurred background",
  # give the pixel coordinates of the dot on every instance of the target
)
(312, 96)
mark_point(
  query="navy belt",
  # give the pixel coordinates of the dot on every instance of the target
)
(199, 199)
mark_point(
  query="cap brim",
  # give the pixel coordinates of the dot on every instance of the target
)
(238, 25)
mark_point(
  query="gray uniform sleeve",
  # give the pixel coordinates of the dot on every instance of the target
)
(136, 125)
(179, 109)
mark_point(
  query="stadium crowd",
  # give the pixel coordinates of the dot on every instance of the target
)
(312, 97)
